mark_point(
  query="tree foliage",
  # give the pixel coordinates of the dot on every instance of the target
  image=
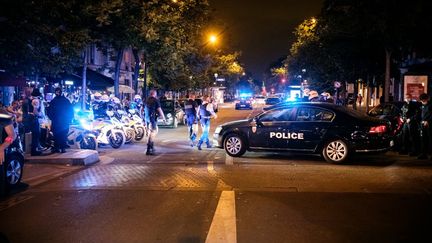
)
(350, 39)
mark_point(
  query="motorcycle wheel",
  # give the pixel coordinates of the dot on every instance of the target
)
(130, 135)
(88, 143)
(139, 134)
(116, 140)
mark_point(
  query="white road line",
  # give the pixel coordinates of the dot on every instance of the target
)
(223, 227)
(210, 166)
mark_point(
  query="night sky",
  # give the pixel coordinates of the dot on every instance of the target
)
(262, 30)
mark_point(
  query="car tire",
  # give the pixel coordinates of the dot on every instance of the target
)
(234, 145)
(13, 166)
(336, 151)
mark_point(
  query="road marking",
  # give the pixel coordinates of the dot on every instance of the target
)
(229, 160)
(210, 166)
(155, 158)
(223, 227)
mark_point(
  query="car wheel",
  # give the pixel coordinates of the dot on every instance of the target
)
(13, 170)
(335, 151)
(234, 145)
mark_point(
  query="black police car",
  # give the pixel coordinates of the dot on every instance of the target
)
(333, 131)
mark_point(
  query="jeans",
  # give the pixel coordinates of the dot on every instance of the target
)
(192, 127)
(205, 125)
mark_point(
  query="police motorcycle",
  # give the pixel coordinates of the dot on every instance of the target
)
(105, 131)
(132, 119)
(79, 136)
(115, 118)
(102, 127)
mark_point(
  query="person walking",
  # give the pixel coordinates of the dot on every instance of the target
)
(61, 114)
(152, 109)
(206, 112)
(191, 110)
(425, 126)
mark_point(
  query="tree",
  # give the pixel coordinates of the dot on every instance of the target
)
(42, 37)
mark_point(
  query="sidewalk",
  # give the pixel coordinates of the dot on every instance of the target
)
(71, 157)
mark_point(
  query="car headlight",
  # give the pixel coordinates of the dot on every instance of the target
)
(218, 129)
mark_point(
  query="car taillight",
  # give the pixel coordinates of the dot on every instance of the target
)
(378, 129)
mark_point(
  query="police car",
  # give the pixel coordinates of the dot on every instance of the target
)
(335, 132)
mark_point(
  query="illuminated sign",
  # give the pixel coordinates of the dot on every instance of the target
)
(69, 82)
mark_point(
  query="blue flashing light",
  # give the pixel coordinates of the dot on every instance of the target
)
(245, 95)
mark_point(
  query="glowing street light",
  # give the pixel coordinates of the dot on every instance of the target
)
(213, 39)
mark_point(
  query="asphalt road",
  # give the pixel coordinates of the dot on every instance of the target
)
(185, 195)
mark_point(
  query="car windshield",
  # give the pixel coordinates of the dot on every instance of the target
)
(273, 99)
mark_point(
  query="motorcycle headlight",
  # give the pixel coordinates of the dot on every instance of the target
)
(218, 129)
(169, 116)
(86, 125)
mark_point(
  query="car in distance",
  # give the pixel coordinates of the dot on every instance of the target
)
(335, 132)
(272, 100)
(173, 112)
(243, 103)
(259, 99)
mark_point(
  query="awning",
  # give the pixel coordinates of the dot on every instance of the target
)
(95, 80)
(7, 79)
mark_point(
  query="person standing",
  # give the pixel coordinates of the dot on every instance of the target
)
(206, 112)
(31, 112)
(191, 110)
(152, 109)
(425, 126)
(359, 100)
(410, 131)
(61, 114)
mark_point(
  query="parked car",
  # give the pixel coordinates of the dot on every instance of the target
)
(174, 114)
(390, 111)
(333, 131)
(13, 165)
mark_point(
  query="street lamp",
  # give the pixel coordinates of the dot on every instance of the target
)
(212, 39)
